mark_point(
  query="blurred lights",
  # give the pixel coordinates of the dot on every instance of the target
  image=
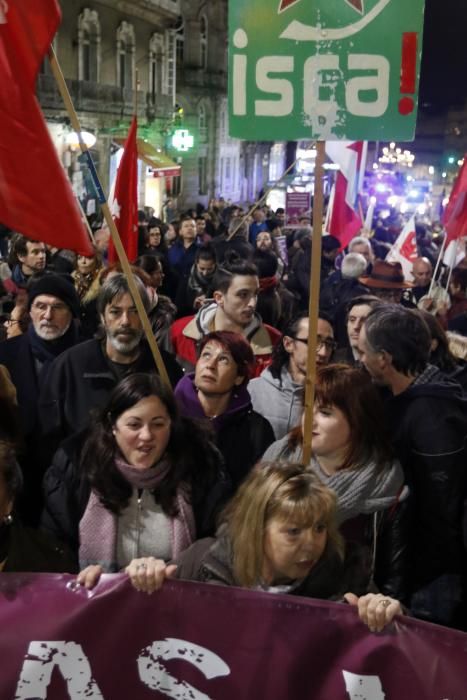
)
(431, 170)
(397, 156)
(73, 142)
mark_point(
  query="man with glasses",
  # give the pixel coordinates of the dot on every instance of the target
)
(278, 392)
(53, 304)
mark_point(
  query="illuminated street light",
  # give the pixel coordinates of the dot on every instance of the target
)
(396, 156)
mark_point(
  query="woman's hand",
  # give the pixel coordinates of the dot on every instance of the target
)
(89, 577)
(375, 609)
(148, 574)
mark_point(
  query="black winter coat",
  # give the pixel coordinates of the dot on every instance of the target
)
(67, 490)
(428, 424)
(81, 381)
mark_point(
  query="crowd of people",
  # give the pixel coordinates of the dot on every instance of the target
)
(106, 468)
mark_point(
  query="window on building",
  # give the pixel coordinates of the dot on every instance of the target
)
(156, 65)
(169, 75)
(180, 42)
(89, 40)
(125, 55)
(223, 122)
(202, 124)
(203, 38)
(202, 175)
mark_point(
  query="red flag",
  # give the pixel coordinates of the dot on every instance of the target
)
(35, 196)
(344, 221)
(455, 214)
(124, 206)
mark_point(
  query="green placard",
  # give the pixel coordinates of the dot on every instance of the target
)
(324, 69)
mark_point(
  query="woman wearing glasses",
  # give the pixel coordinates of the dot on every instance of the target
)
(278, 393)
(351, 454)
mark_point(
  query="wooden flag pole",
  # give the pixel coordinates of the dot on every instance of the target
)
(313, 305)
(438, 263)
(58, 75)
(260, 201)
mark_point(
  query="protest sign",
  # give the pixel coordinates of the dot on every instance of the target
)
(328, 69)
(202, 642)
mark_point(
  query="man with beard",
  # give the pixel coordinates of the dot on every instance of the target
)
(52, 304)
(27, 257)
(80, 381)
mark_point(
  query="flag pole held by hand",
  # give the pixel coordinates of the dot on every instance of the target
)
(58, 75)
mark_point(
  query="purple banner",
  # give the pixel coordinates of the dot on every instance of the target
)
(199, 642)
(297, 204)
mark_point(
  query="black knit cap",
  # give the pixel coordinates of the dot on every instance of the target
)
(60, 286)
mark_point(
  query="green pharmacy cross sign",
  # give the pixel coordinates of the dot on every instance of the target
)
(324, 69)
(182, 140)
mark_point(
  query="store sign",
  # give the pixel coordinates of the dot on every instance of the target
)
(297, 206)
(328, 69)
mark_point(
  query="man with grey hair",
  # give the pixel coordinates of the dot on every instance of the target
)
(362, 245)
(420, 295)
(82, 379)
(340, 287)
(427, 419)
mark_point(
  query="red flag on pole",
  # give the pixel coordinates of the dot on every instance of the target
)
(35, 196)
(344, 221)
(455, 214)
(124, 204)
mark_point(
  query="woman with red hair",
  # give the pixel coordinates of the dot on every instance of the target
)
(216, 393)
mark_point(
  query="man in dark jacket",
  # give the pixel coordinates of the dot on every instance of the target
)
(53, 304)
(82, 379)
(427, 416)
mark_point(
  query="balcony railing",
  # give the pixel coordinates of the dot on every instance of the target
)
(102, 99)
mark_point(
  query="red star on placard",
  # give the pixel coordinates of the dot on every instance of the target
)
(356, 4)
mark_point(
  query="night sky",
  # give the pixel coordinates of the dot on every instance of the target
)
(443, 81)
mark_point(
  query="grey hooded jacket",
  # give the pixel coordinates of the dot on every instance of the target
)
(278, 400)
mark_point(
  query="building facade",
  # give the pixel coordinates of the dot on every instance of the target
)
(166, 59)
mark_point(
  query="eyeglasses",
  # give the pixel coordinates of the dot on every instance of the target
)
(328, 343)
(54, 308)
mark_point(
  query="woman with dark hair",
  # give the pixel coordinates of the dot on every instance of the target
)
(440, 353)
(22, 548)
(154, 243)
(279, 535)
(142, 479)
(217, 392)
(352, 455)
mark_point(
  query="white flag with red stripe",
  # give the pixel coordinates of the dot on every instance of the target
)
(405, 250)
(344, 220)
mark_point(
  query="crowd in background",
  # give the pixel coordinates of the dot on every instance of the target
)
(103, 467)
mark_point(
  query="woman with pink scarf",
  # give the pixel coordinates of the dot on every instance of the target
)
(142, 481)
